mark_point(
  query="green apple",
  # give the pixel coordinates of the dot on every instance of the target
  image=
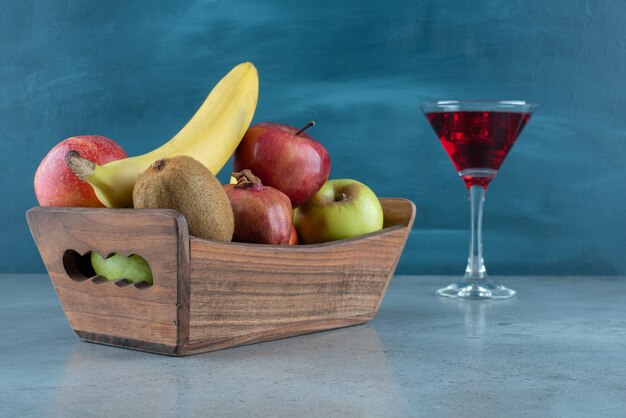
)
(342, 208)
(116, 267)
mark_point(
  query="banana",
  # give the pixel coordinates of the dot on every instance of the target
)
(211, 136)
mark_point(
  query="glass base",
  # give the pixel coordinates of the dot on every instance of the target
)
(476, 289)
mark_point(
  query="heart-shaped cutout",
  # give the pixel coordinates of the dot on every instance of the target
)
(123, 271)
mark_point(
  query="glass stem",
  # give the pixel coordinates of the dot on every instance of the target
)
(476, 264)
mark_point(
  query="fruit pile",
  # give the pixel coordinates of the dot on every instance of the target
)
(279, 191)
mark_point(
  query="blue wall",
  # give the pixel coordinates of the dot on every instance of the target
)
(136, 71)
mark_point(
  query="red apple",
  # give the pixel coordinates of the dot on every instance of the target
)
(285, 158)
(57, 185)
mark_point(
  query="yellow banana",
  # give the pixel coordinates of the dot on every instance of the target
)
(211, 136)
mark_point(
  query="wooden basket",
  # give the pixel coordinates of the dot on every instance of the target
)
(208, 295)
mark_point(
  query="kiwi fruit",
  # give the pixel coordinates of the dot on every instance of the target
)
(184, 184)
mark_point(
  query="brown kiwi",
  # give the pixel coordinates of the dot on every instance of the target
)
(184, 184)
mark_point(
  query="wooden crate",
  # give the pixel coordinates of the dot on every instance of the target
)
(208, 295)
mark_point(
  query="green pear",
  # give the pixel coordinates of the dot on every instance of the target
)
(116, 267)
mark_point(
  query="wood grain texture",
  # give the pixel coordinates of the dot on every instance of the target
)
(398, 211)
(242, 293)
(209, 295)
(104, 312)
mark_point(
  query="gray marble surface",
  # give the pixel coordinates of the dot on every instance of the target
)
(557, 350)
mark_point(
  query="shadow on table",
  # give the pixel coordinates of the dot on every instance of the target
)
(476, 312)
(327, 373)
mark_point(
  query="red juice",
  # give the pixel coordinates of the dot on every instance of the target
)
(477, 142)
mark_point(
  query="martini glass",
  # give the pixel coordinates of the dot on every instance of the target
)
(477, 135)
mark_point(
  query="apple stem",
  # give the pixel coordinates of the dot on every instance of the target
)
(82, 167)
(245, 178)
(305, 127)
(341, 197)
